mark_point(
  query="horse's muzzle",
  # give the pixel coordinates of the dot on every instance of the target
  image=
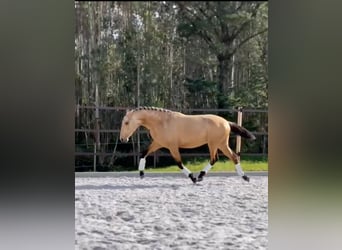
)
(124, 140)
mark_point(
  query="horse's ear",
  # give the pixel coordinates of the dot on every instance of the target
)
(127, 110)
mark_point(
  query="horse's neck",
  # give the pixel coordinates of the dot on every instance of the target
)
(149, 119)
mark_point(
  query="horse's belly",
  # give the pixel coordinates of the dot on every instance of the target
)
(193, 142)
(191, 145)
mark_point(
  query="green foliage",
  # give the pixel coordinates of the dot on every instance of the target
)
(201, 86)
(145, 40)
(185, 30)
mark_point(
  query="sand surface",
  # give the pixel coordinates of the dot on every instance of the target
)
(171, 213)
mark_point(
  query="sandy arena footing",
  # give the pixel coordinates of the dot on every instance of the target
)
(169, 212)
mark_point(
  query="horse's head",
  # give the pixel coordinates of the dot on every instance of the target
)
(129, 124)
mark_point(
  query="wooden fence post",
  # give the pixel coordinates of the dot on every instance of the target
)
(238, 138)
(94, 156)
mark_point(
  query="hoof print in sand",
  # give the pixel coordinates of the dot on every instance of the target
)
(108, 218)
(125, 215)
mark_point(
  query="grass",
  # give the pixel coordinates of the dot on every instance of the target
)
(220, 166)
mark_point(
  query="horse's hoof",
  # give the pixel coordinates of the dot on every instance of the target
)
(194, 180)
(246, 178)
(200, 177)
(141, 174)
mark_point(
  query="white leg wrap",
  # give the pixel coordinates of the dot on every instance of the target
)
(142, 164)
(239, 170)
(185, 171)
(207, 168)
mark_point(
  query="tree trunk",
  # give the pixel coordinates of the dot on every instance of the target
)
(223, 80)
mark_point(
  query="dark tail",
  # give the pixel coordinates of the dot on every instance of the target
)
(241, 131)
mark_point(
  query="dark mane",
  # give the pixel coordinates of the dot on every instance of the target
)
(151, 108)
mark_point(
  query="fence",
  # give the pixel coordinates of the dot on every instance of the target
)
(97, 136)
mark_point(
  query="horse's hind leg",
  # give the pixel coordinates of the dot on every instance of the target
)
(213, 159)
(176, 156)
(226, 150)
(153, 147)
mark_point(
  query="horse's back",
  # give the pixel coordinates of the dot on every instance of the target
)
(197, 130)
(206, 121)
(216, 125)
(216, 120)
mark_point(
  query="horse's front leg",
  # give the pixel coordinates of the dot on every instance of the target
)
(153, 147)
(176, 155)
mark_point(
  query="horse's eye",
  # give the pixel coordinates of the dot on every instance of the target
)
(126, 123)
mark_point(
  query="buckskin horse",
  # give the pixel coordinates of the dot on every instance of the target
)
(174, 130)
